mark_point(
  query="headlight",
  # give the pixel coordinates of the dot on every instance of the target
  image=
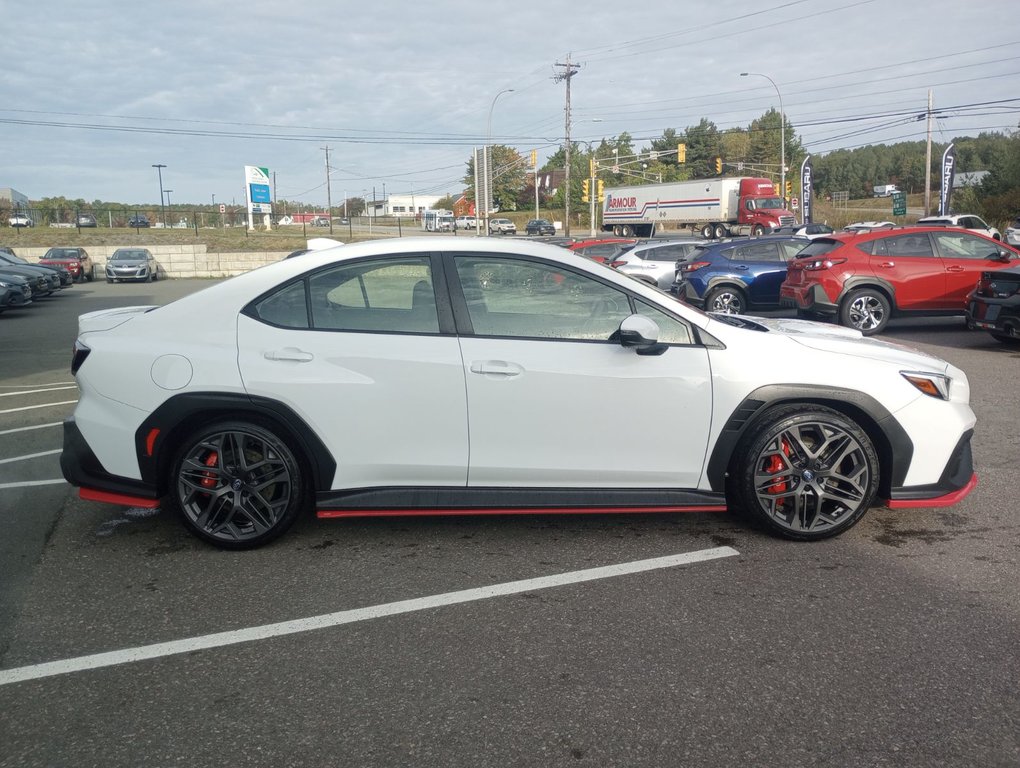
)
(932, 384)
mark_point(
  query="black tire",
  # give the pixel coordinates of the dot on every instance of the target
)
(721, 232)
(626, 231)
(707, 231)
(237, 484)
(1005, 338)
(804, 472)
(109, 279)
(727, 300)
(865, 309)
(757, 230)
(91, 275)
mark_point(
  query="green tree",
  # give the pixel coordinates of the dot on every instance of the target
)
(509, 172)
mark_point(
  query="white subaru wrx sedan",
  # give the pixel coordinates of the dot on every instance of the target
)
(452, 376)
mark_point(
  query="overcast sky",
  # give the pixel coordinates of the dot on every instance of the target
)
(91, 95)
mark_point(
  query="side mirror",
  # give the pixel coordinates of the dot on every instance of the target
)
(1003, 256)
(641, 333)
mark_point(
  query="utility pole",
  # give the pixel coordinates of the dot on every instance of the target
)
(569, 70)
(927, 162)
(329, 199)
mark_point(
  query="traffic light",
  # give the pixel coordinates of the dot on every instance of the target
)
(534, 158)
(681, 153)
(599, 190)
(584, 192)
(789, 188)
(718, 165)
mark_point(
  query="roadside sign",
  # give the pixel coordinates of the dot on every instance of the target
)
(899, 203)
(223, 208)
(794, 203)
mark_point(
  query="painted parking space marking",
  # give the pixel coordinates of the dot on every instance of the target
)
(49, 388)
(28, 429)
(31, 483)
(266, 631)
(28, 456)
(33, 407)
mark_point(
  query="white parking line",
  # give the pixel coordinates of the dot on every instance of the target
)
(28, 456)
(44, 405)
(219, 639)
(30, 483)
(47, 386)
(36, 391)
(27, 429)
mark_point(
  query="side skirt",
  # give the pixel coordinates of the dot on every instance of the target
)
(394, 502)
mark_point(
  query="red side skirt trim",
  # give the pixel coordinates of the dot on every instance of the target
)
(325, 513)
(116, 498)
(939, 501)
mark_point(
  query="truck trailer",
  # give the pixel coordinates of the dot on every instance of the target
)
(713, 207)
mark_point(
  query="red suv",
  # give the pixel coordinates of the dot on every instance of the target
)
(865, 278)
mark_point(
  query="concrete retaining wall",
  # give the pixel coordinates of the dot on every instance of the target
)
(179, 260)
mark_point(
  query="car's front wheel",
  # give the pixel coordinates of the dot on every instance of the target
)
(805, 472)
(237, 484)
(866, 309)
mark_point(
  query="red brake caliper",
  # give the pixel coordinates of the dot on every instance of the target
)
(775, 466)
(212, 460)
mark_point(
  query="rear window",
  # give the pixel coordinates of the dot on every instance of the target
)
(819, 247)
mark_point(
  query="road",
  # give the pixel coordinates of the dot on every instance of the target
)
(892, 645)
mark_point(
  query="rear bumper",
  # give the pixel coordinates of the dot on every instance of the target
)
(82, 468)
(810, 297)
(991, 314)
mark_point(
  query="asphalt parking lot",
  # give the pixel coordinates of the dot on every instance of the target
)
(532, 641)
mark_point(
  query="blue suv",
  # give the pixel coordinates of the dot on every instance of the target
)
(732, 276)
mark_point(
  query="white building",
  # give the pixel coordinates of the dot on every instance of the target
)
(406, 206)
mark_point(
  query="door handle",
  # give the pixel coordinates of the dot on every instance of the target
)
(887, 264)
(955, 268)
(289, 354)
(496, 368)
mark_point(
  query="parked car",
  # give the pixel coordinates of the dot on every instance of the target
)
(604, 249)
(86, 220)
(994, 304)
(465, 222)
(4, 293)
(502, 227)
(229, 404)
(1012, 234)
(540, 227)
(44, 281)
(64, 279)
(655, 262)
(138, 221)
(20, 220)
(868, 226)
(803, 230)
(75, 260)
(734, 276)
(966, 221)
(131, 264)
(19, 289)
(862, 280)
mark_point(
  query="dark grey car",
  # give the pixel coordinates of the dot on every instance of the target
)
(132, 264)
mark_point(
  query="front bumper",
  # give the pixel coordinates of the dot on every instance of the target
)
(127, 273)
(958, 479)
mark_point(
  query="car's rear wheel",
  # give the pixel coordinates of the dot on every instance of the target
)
(805, 472)
(866, 309)
(727, 300)
(237, 484)
(1006, 338)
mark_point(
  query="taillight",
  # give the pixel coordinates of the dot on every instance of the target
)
(78, 355)
(617, 264)
(814, 265)
(691, 266)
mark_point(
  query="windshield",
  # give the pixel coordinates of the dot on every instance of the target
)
(127, 256)
(769, 202)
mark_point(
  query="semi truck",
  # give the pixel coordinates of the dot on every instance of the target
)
(714, 207)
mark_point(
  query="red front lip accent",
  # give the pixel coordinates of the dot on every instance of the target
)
(939, 501)
(325, 513)
(116, 498)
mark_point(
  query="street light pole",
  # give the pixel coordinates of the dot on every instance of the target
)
(782, 133)
(159, 170)
(168, 206)
(487, 154)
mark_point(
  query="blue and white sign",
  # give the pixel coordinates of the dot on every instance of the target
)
(259, 189)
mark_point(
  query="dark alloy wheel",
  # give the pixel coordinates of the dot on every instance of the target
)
(727, 300)
(806, 472)
(866, 309)
(237, 484)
